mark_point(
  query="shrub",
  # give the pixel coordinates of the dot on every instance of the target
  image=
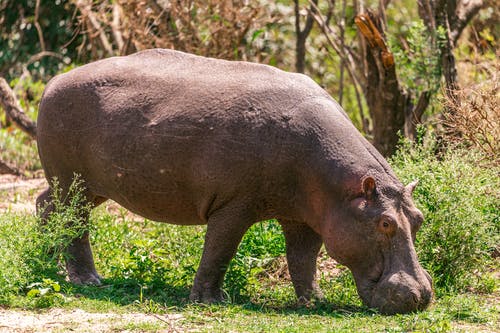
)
(30, 250)
(473, 118)
(262, 243)
(459, 198)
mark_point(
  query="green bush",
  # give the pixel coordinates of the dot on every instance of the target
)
(460, 200)
(30, 250)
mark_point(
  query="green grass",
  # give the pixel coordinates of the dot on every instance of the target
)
(149, 268)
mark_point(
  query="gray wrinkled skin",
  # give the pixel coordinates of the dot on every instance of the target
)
(189, 140)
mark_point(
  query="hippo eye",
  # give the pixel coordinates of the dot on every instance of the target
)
(387, 225)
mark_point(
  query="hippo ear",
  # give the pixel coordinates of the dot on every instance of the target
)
(411, 187)
(369, 187)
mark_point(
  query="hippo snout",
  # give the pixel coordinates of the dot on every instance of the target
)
(402, 293)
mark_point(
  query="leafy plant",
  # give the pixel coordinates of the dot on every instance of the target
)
(418, 58)
(459, 198)
(262, 242)
(30, 249)
(67, 221)
(45, 294)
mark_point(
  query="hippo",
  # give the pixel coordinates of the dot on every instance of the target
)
(189, 140)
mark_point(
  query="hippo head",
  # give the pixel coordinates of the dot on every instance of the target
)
(373, 234)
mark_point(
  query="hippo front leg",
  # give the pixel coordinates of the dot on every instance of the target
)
(302, 248)
(225, 230)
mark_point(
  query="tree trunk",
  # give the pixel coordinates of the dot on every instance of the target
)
(387, 102)
(452, 16)
(300, 43)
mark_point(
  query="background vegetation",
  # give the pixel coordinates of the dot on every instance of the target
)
(442, 77)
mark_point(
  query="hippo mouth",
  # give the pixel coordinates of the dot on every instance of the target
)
(367, 288)
(398, 292)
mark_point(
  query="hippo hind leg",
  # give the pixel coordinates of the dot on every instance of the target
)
(302, 248)
(78, 255)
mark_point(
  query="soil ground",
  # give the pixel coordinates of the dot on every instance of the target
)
(64, 320)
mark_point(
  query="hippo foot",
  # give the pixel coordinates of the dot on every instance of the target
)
(87, 278)
(314, 295)
(206, 296)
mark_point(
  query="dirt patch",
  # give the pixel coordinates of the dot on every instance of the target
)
(18, 194)
(61, 320)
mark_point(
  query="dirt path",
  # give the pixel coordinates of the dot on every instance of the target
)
(62, 320)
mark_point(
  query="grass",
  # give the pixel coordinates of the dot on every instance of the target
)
(149, 268)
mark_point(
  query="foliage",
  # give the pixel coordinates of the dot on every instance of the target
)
(22, 42)
(210, 28)
(262, 243)
(154, 255)
(30, 249)
(267, 306)
(418, 58)
(459, 198)
(45, 294)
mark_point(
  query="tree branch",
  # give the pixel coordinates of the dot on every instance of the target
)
(465, 11)
(413, 115)
(115, 27)
(12, 108)
(6, 169)
(302, 34)
(38, 27)
(346, 56)
(86, 10)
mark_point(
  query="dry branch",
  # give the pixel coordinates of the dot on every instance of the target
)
(345, 55)
(86, 10)
(375, 39)
(465, 11)
(37, 25)
(475, 119)
(14, 111)
(8, 170)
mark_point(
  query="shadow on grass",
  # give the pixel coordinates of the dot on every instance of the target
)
(132, 291)
(125, 292)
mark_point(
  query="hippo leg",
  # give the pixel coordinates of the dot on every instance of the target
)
(44, 205)
(302, 248)
(225, 230)
(78, 255)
